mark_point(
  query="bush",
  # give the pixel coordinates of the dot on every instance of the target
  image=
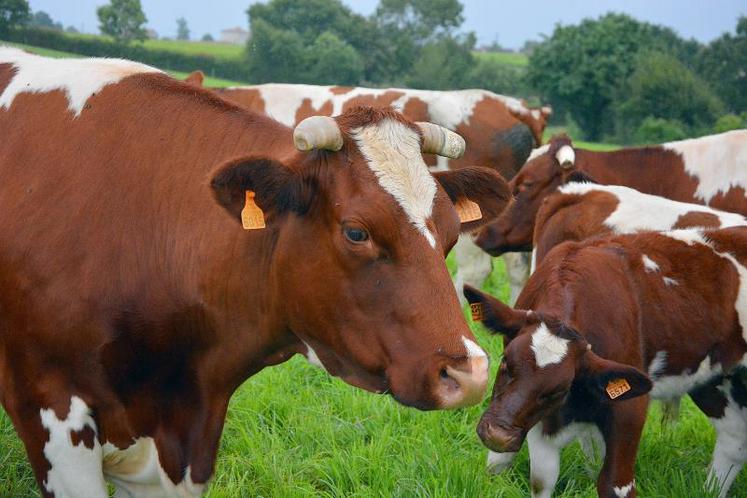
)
(443, 64)
(657, 130)
(492, 75)
(332, 61)
(728, 122)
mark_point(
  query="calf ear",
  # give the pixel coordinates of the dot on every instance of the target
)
(195, 78)
(276, 188)
(614, 381)
(481, 186)
(496, 316)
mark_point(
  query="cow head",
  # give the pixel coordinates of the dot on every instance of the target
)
(359, 230)
(547, 168)
(544, 363)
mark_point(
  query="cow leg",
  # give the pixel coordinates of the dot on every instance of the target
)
(62, 446)
(617, 477)
(498, 462)
(724, 403)
(544, 462)
(473, 265)
(517, 271)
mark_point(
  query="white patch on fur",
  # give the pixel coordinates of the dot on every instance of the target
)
(717, 162)
(75, 470)
(670, 282)
(312, 357)
(566, 154)
(136, 471)
(730, 451)
(674, 386)
(498, 462)
(649, 264)
(548, 348)
(637, 211)
(473, 350)
(623, 491)
(544, 453)
(392, 151)
(539, 151)
(658, 365)
(79, 79)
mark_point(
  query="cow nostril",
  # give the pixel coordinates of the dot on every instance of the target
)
(443, 374)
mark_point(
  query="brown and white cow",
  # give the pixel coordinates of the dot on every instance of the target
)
(500, 132)
(595, 316)
(134, 303)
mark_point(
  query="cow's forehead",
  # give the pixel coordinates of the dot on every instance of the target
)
(392, 151)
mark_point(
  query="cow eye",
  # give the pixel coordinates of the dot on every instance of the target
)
(355, 235)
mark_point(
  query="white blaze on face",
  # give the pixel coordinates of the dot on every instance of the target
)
(392, 151)
(75, 470)
(79, 79)
(473, 350)
(649, 264)
(548, 348)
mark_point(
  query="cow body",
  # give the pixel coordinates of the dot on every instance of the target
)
(669, 304)
(134, 303)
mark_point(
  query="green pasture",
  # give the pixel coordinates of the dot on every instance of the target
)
(506, 58)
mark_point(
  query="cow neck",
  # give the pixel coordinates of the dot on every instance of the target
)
(632, 167)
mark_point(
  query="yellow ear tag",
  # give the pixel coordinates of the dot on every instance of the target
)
(617, 387)
(252, 217)
(476, 309)
(467, 210)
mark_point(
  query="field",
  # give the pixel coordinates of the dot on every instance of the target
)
(507, 58)
(292, 431)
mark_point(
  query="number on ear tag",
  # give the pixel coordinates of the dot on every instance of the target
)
(617, 387)
(467, 210)
(252, 217)
(476, 309)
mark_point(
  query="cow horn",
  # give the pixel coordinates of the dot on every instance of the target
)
(317, 132)
(441, 141)
(566, 157)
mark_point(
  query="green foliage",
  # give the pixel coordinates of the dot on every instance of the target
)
(207, 37)
(491, 74)
(723, 63)
(13, 13)
(662, 87)
(123, 20)
(182, 30)
(41, 19)
(443, 64)
(332, 61)
(658, 130)
(729, 122)
(579, 68)
(275, 54)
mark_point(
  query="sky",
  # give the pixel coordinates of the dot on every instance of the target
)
(509, 23)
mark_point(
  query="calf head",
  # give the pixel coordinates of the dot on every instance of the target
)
(538, 178)
(359, 230)
(544, 362)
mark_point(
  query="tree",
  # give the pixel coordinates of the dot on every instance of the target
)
(444, 64)
(580, 68)
(207, 37)
(333, 61)
(182, 31)
(723, 64)
(662, 87)
(41, 19)
(275, 55)
(497, 77)
(13, 13)
(124, 20)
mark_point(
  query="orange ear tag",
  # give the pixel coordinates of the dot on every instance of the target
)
(467, 210)
(617, 387)
(476, 309)
(252, 217)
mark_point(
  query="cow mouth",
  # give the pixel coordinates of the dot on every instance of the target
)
(499, 437)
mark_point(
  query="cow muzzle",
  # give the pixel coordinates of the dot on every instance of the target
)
(463, 384)
(500, 438)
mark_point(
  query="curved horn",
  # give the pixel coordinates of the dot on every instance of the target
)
(441, 141)
(566, 157)
(317, 132)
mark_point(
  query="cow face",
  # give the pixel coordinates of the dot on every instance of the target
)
(358, 241)
(538, 178)
(544, 363)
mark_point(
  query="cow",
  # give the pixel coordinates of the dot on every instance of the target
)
(162, 245)
(710, 170)
(591, 320)
(500, 133)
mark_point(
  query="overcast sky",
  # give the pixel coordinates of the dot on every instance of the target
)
(510, 23)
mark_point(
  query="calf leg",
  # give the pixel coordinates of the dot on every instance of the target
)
(517, 271)
(473, 265)
(498, 462)
(544, 462)
(724, 403)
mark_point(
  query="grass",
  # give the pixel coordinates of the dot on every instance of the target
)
(553, 130)
(507, 58)
(57, 54)
(293, 431)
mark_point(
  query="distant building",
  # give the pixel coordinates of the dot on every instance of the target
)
(151, 33)
(237, 35)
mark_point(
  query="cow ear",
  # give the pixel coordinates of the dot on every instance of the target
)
(496, 316)
(475, 187)
(275, 187)
(195, 78)
(613, 381)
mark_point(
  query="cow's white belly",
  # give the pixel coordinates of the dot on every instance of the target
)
(137, 473)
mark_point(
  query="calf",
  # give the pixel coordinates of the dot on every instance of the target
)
(595, 316)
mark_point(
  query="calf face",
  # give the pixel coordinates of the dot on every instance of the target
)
(356, 239)
(540, 176)
(544, 363)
